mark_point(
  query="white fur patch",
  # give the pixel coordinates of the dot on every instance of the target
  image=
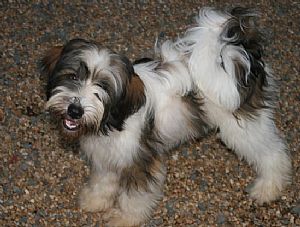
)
(118, 149)
(211, 62)
(165, 88)
(95, 58)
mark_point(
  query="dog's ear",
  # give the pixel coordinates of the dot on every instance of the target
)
(47, 65)
(49, 61)
(129, 101)
(133, 95)
(132, 99)
(128, 66)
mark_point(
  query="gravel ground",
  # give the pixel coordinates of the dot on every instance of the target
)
(40, 177)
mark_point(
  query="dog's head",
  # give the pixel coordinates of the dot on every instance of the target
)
(90, 89)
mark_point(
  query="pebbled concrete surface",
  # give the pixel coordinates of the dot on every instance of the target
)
(206, 185)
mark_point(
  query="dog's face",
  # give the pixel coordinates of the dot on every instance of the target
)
(89, 87)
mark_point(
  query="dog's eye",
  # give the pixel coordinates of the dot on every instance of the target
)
(99, 85)
(102, 85)
(72, 76)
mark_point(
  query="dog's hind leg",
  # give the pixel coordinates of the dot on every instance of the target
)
(257, 140)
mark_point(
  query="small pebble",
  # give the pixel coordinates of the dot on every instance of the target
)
(202, 206)
(221, 219)
(23, 219)
(203, 186)
(296, 210)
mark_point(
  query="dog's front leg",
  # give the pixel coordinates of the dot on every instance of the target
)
(100, 193)
(138, 195)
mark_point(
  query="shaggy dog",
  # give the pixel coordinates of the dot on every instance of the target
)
(128, 116)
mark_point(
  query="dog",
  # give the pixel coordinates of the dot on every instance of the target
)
(128, 116)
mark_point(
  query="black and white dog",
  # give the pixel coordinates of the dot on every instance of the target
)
(128, 116)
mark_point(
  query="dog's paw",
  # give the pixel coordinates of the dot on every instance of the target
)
(91, 200)
(264, 191)
(115, 217)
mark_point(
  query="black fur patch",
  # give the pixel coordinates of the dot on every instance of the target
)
(254, 89)
(131, 100)
(142, 60)
(193, 102)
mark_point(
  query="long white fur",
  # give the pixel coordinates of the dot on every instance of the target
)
(203, 43)
(164, 89)
(118, 149)
(99, 60)
(259, 143)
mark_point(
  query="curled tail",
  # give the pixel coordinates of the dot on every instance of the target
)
(225, 58)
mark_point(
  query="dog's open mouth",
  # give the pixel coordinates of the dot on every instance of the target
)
(71, 124)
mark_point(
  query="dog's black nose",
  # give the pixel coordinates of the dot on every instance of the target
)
(75, 111)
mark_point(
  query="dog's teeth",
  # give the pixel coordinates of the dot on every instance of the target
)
(70, 124)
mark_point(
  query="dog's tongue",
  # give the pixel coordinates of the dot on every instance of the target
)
(70, 124)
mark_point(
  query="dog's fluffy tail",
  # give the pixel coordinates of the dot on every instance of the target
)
(224, 56)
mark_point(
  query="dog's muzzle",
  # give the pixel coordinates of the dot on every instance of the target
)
(74, 114)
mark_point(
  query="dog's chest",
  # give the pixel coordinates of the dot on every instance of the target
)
(117, 150)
